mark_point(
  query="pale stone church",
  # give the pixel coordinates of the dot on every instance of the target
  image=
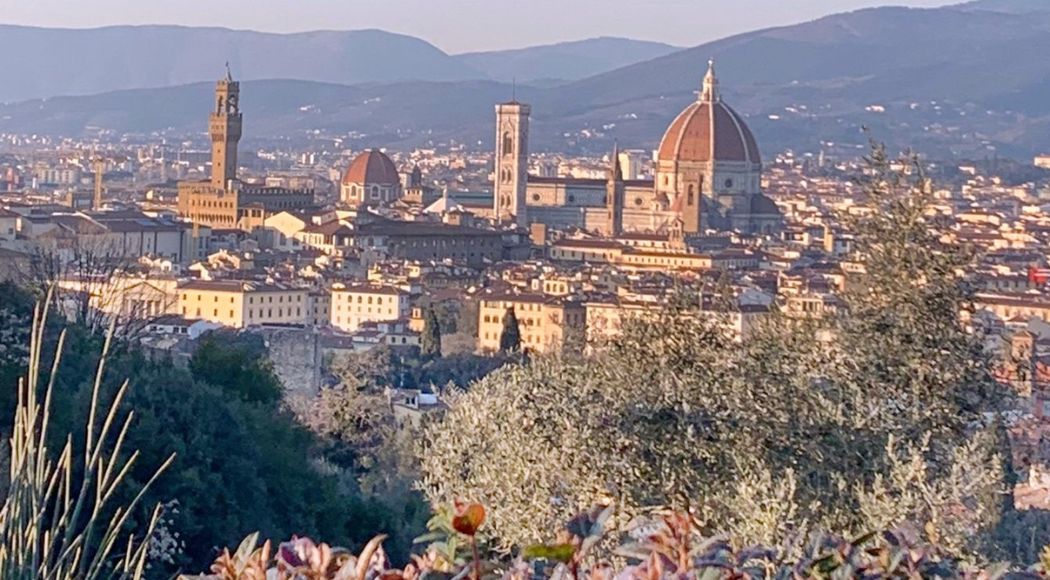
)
(708, 176)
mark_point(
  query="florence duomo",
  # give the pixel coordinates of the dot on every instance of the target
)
(525, 289)
(708, 174)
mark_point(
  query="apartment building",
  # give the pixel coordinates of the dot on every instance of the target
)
(354, 305)
(239, 304)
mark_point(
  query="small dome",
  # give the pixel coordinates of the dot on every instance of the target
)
(761, 204)
(372, 167)
(709, 130)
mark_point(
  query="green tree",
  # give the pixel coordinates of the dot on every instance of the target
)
(510, 337)
(430, 342)
(238, 364)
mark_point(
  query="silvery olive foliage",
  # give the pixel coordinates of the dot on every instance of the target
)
(869, 419)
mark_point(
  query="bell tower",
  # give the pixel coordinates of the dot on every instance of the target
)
(615, 190)
(512, 162)
(225, 130)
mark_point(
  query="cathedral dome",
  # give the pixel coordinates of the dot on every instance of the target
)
(372, 167)
(709, 130)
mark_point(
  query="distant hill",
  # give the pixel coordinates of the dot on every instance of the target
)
(950, 80)
(564, 61)
(1008, 6)
(46, 62)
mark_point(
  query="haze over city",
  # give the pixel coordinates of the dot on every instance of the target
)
(454, 25)
(532, 290)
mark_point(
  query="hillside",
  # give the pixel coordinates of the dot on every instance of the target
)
(1008, 6)
(564, 61)
(49, 62)
(951, 80)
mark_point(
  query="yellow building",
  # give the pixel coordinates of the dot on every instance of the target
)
(352, 306)
(547, 323)
(240, 304)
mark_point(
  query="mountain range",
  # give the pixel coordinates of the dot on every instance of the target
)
(51, 62)
(966, 80)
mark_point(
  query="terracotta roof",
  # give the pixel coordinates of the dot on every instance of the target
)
(370, 289)
(372, 166)
(707, 131)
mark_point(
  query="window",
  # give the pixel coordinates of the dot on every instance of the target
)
(508, 144)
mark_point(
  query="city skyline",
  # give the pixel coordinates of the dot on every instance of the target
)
(472, 25)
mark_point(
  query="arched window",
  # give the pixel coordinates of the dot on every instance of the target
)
(690, 199)
(508, 144)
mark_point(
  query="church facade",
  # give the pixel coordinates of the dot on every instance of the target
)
(707, 177)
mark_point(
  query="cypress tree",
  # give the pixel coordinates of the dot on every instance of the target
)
(430, 342)
(510, 338)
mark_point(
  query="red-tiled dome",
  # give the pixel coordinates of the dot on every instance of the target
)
(372, 167)
(709, 130)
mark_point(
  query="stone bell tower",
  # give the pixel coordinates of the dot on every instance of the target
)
(225, 129)
(512, 162)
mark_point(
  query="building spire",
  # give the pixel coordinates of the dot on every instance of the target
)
(709, 93)
(617, 172)
(229, 75)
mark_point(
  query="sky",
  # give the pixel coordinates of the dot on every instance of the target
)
(453, 25)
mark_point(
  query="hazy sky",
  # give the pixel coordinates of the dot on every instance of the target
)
(453, 25)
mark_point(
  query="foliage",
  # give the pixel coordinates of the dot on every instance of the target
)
(366, 444)
(60, 518)
(242, 464)
(236, 363)
(874, 415)
(430, 342)
(510, 336)
(16, 314)
(661, 546)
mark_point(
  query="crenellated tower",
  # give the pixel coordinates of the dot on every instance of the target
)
(225, 130)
